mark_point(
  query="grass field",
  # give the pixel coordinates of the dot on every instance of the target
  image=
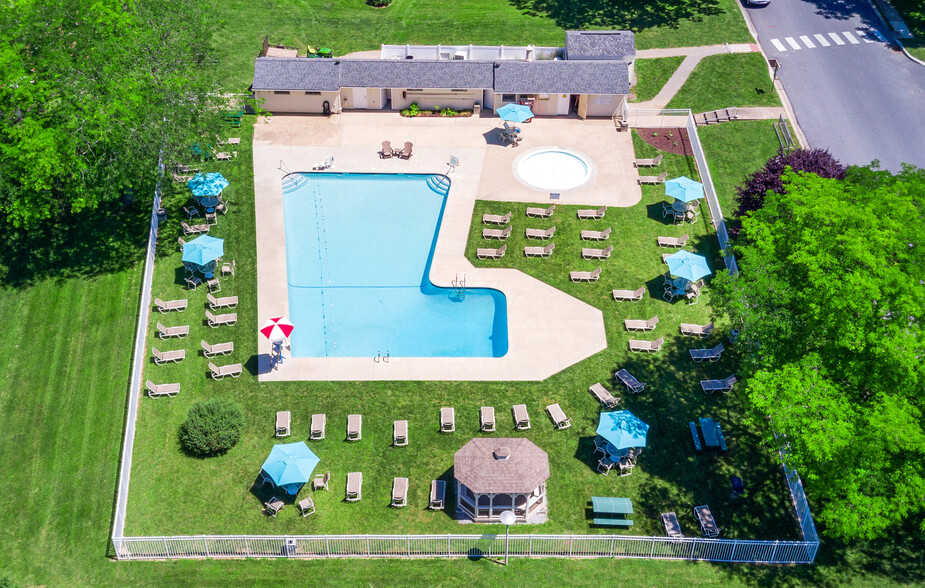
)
(721, 81)
(350, 25)
(652, 75)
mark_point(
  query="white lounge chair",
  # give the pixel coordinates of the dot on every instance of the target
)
(692, 330)
(521, 417)
(593, 213)
(399, 492)
(724, 385)
(633, 295)
(168, 332)
(319, 421)
(673, 241)
(178, 305)
(647, 346)
(707, 522)
(487, 419)
(400, 434)
(447, 419)
(219, 372)
(604, 253)
(672, 526)
(354, 486)
(193, 229)
(283, 423)
(557, 416)
(155, 390)
(437, 494)
(491, 253)
(354, 427)
(162, 357)
(591, 276)
(641, 325)
(543, 234)
(223, 302)
(539, 251)
(659, 179)
(649, 162)
(225, 155)
(501, 234)
(541, 212)
(217, 349)
(633, 386)
(714, 354)
(229, 319)
(603, 395)
(596, 235)
(496, 219)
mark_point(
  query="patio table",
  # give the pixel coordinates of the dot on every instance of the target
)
(682, 207)
(611, 505)
(209, 201)
(681, 284)
(709, 433)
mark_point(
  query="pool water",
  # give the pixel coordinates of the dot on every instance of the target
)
(553, 169)
(358, 255)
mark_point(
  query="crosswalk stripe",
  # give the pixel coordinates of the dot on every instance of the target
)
(865, 36)
(851, 38)
(836, 38)
(809, 44)
(792, 42)
(821, 40)
(778, 45)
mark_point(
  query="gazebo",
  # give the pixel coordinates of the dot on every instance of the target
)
(496, 475)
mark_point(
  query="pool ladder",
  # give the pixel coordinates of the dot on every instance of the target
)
(381, 358)
(459, 287)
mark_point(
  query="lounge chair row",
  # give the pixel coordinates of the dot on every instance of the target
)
(704, 518)
(214, 321)
(518, 411)
(354, 493)
(181, 304)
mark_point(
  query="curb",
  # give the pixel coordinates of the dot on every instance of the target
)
(888, 26)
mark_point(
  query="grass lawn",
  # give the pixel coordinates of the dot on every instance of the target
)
(731, 79)
(652, 75)
(913, 13)
(350, 25)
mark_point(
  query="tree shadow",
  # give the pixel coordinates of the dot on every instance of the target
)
(618, 14)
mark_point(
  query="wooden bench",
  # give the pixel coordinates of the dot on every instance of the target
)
(614, 522)
(695, 436)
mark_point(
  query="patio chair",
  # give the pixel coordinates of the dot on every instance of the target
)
(400, 434)
(496, 219)
(596, 235)
(592, 214)
(724, 385)
(306, 506)
(605, 464)
(211, 217)
(229, 319)
(155, 390)
(654, 161)
(191, 211)
(487, 419)
(192, 282)
(673, 241)
(603, 395)
(633, 386)
(692, 330)
(224, 302)
(214, 285)
(510, 128)
(738, 487)
(707, 522)
(354, 486)
(539, 251)
(544, 234)
(168, 332)
(647, 346)
(600, 445)
(219, 372)
(225, 155)
(354, 427)
(193, 229)
(181, 242)
(178, 305)
(557, 416)
(217, 349)
(318, 425)
(222, 208)
(447, 419)
(437, 494)
(604, 253)
(521, 418)
(626, 466)
(273, 506)
(641, 325)
(714, 354)
(501, 234)
(386, 152)
(591, 276)
(283, 422)
(162, 357)
(491, 253)
(320, 482)
(541, 212)
(632, 295)
(406, 151)
(671, 524)
(399, 492)
(228, 268)
(659, 179)
(665, 257)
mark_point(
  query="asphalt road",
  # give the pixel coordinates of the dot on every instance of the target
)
(850, 92)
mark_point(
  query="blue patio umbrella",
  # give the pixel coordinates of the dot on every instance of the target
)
(622, 429)
(203, 250)
(517, 113)
(684, 189)
(689, 266)
(210, 184)
(290, 465)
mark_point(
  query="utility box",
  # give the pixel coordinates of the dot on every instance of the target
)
(476, 108)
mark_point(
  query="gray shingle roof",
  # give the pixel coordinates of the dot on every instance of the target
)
(565, 77)
(599, 44)
(411, 73)
(295, 73)
(476, 466)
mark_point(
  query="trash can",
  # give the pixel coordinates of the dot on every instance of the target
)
(290, 547)
(476, 108)
(161, 215)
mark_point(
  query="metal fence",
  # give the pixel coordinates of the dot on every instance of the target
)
(470, 546)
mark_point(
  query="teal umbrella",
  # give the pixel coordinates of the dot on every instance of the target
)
(203, 250)
(684, 189)
(687, 265)
(210, 184)
(517, 113)
(623, 429)
(290, 465)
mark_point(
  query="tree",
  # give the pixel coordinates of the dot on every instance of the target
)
(92, 93)
(212, 427)
(830, 301)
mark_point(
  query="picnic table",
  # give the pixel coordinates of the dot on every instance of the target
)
(708, 429)
(610, 506)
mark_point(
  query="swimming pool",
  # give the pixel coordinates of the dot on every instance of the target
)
(553, 169)
(358, 254)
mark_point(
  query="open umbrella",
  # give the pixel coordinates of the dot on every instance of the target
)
(203, 250)
(623, 429)
(210, 184)
(277, 329)
(290, 465)
(684, 189)
(517, 113)
(687, 265)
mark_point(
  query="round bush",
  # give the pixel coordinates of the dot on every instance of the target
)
(212, 427)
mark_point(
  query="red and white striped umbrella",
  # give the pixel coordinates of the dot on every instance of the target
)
(277, 329)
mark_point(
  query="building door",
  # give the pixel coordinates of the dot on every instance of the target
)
(583, 106)
(359, 99)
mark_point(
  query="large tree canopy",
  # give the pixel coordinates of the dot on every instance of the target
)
(830, 302)
(91, 93)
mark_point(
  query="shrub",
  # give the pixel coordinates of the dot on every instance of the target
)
(816, 161)
(212, 427)
(379, 3)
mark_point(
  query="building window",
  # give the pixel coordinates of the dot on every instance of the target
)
(508, 97)
(312, 93)
(282, 92)
(454, 90)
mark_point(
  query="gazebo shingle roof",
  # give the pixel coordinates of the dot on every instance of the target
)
(599, 44)
(477, 466)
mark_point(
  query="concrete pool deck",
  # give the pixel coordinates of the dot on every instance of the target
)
(548, 330)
